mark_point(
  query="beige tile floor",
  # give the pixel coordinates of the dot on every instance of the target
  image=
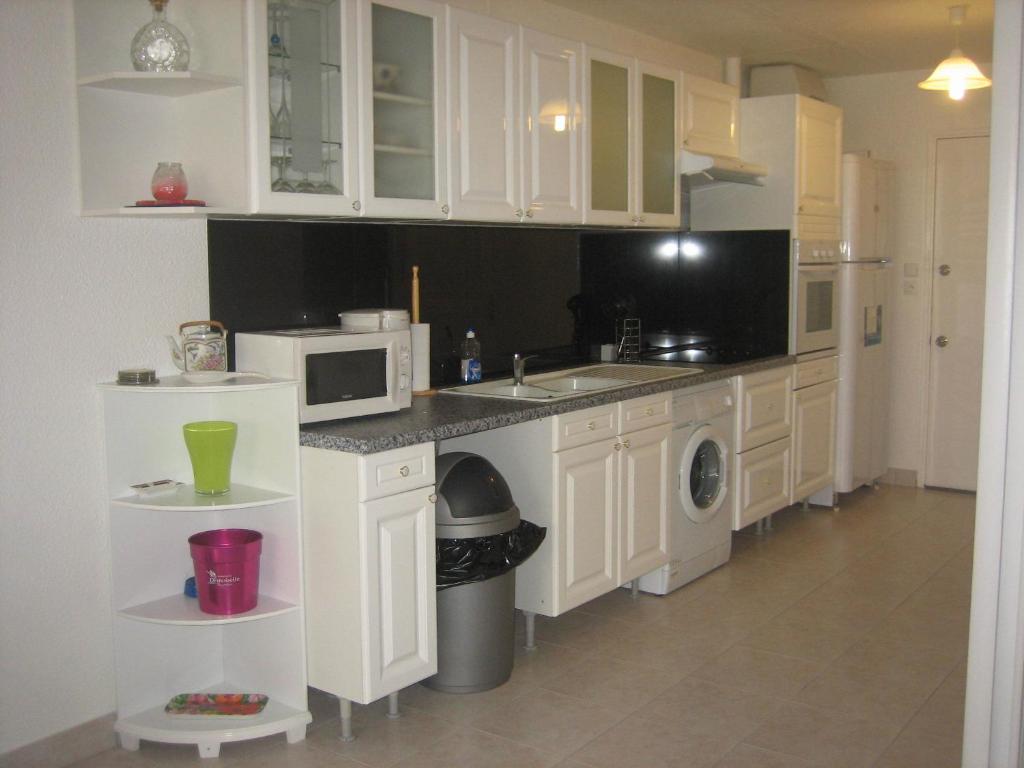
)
(837, 639)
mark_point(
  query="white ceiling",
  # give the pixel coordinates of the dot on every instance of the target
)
(833, 37)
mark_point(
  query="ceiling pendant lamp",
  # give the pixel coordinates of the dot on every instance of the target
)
(957, 73)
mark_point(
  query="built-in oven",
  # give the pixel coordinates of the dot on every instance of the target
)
(816, 295)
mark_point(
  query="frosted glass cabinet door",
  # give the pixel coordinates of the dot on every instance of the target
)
(483, 149)
(550, 69)
(658, 156)
(610, 193)
(303, 106)
(402, 108)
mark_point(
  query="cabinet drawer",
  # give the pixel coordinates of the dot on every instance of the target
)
(809, 227)
(815, 371)
(764, 407)
(390, 472)
(643, 412)
(583, 427)
(761, 482)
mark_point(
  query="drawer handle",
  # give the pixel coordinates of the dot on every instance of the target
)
(649, 411)
(771, 406)
(591, 426)
(432, 498)
(403, 471)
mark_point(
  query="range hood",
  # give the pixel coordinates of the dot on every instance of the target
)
(713, 169)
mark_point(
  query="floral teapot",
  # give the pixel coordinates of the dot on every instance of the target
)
(204, 346)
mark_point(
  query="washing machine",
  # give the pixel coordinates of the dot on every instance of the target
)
(700, 523)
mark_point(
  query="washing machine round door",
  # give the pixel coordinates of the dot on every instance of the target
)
(702, 474)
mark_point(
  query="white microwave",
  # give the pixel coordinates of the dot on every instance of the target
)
(341, 373)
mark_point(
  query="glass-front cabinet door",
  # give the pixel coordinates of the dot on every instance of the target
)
(658, 147)
(608, 158)
(303, 106)
(402, 108)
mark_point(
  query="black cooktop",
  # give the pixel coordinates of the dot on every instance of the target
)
(699, 349)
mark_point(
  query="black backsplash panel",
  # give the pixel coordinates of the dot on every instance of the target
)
(545, 291)
(512, 284)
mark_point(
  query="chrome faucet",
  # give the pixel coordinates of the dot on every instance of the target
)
(519, 367)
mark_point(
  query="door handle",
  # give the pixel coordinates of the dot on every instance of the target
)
(941, 341)
(945, 270)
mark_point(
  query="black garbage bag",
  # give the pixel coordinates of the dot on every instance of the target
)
(464, 561)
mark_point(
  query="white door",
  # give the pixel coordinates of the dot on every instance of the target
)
(710, 117)
(397, 535)
(814, 439)
(402, 108)
(958, 311)
(483, 149)
(586, 515)
(657, 146)
(643, 501)
(550, 125)
(819, 157)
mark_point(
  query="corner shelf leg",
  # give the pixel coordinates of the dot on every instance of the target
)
(129, 742)
(634, 588)
(346, 720)
(209, 749)
(393, 713)
(531, 627)
(296, 734)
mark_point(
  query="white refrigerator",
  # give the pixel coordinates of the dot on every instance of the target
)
(865, 322)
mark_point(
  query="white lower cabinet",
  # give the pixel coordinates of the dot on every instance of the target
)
(600, 490)
(764, 421)
(814, 427)
(370, 571)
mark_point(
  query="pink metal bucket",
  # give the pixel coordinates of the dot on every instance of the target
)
(227, 563)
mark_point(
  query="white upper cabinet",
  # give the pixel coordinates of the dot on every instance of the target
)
(710, 117)
(819, 158)
(401, 104)
(483, 159)
(631, 166)
(657, 154)
(302, 107)
(550, 128)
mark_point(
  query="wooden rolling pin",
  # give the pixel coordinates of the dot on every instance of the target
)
(415, 294)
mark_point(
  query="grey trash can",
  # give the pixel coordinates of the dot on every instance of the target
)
(475, 619)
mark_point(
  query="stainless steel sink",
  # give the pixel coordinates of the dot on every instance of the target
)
(573, 383)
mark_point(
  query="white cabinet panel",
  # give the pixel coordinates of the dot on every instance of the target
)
(399, 591)
(551, 150)
(819, 158)
(586, 515)
(814, 439)
(483, 160)
(402, 122)
(710, 117)
(643, 502)
(761, 481)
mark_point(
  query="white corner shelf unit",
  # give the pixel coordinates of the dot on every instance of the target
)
(164, 644)
(129, 121)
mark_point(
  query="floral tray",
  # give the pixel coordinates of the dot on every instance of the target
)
(204, 704)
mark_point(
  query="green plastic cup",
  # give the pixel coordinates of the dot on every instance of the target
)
(211, 445)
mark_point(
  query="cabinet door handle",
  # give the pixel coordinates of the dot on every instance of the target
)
(445, 209)
(403, 471)
(432, 498)
(529, 213)
(625, 443)
(648, 411)
(591, 426)
(518, 213)
(617, 446)
(356, 205)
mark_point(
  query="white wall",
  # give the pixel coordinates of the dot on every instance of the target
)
(897, 121)
(80, 298)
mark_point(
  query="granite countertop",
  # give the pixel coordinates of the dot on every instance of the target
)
(441, 416)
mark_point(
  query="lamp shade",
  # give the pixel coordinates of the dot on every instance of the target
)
(955, 74)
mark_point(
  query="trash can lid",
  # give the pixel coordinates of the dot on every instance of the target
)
(472, 493)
